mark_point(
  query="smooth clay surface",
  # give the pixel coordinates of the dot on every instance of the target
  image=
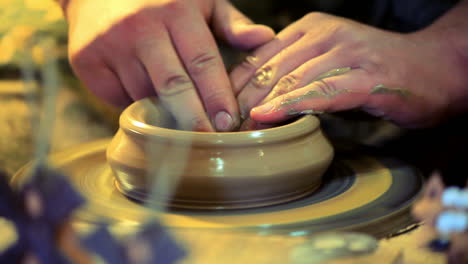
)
(217, 170)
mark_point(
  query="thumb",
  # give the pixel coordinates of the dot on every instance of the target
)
(236, 29)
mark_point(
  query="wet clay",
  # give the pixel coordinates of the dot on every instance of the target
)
(251, 60)
(325, 93)
(382, 89)
(293, 112)
(331, 73)
(312, 95)
(285, 85)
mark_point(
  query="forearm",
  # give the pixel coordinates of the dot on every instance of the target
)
(451, 31)
(455, 26)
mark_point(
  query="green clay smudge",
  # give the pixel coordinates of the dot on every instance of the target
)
(292, 112)
(308, 95)
(320, 94)
(311, 95)
(382, 89)
(331, 73)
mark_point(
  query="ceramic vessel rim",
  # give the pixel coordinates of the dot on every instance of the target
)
(132, 121)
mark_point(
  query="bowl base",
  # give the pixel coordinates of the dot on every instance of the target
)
(141, 196)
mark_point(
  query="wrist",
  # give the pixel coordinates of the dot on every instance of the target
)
(449, 34)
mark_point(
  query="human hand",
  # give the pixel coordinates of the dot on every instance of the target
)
(127, 50)
(324, 63)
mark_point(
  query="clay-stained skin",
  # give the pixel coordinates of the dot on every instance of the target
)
(293, 112)
(331, 73)
(251, 60)
(263, 77)
(285, 85)
(382, 89)
(311, 95)
(324, 93)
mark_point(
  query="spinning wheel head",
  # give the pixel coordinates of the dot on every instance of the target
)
(358, 193)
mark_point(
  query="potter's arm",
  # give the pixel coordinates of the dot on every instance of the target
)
(453, 29)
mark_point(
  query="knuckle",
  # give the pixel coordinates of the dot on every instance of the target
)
(337, 31)
(327, 87)
(374, 64)
(286, 84)
(314, 16)
(330, 26)
(201, 63)
(175, 84)
(262, 78)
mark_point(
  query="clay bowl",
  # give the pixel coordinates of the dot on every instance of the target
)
(227, 170)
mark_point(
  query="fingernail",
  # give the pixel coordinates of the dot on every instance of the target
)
(223, 121)
(263, 109)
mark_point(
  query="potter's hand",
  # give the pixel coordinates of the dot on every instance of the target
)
(127, 50)
(325, 63)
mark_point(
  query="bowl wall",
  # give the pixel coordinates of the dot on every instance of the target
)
(217, 170)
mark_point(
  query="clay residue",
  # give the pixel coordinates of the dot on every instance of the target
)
(324, 93)
(311, 95)
(331, 73)
(293, 112)
(285, 85)
(382, 89)
(251, 60)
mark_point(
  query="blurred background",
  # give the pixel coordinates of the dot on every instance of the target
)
(25, 26)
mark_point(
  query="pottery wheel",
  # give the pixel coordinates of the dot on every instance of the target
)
(360, 194)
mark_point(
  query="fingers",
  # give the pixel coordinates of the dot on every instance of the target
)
(198, 52)
(238, 30)
(281, 65)
(172, 83)
(250, 124)
(336, 93)
(246, 71)
(321, 67)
